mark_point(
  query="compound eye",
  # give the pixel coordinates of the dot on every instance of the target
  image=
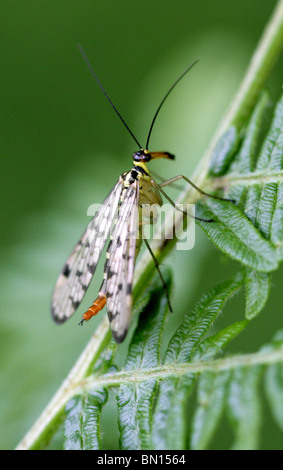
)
(142, 156)
(137, 156)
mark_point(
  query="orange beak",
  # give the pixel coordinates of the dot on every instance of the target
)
(162, 155)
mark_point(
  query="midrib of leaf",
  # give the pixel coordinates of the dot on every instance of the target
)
(179, 370)
(247, 179)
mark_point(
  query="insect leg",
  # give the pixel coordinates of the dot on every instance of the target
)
(160, 274)
(176, 206)
(176, 178)
(164, 182)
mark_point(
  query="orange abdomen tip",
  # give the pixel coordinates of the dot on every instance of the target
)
(97, 305)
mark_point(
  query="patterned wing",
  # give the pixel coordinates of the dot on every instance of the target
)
(119, 269)
(77, 273)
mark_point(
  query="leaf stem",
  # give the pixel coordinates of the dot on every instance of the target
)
(179, 370)
(261, 64)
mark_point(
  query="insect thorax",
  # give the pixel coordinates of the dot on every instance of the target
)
(148, 192)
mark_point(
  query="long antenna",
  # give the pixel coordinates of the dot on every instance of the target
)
(105, 94)
(165, 97)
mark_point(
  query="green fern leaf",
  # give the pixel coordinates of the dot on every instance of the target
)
(82, 424)
(245, 407)
(135, 402)
(254, 178)
(212, 389)
(169, 427)
(257, 286)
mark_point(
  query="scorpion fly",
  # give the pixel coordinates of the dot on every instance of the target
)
(116, 220)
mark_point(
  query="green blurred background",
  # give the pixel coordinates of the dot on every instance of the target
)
(62, 149)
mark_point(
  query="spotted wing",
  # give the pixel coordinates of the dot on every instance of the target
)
(119, 270)
(77, 273)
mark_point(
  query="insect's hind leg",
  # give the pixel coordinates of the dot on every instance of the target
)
(160, 274)
(176, 178)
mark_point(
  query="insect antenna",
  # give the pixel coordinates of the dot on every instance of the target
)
(105, 93)
(165, 97)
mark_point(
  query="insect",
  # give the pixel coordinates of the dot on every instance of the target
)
(117, 219)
